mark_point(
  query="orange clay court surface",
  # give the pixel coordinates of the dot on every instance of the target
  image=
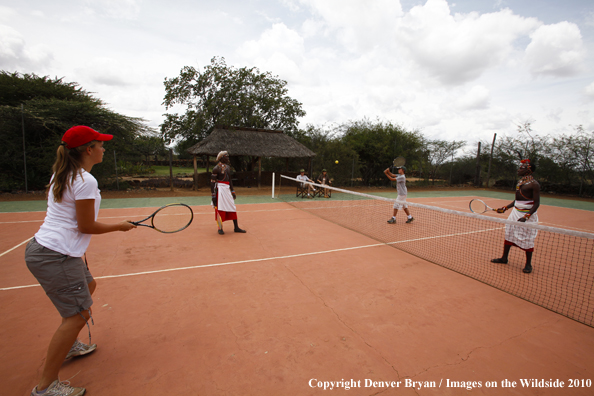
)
(296, 304)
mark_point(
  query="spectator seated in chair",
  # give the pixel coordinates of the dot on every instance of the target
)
(324, 179)
(305, 185)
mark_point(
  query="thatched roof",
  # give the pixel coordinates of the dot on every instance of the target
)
(250, 141)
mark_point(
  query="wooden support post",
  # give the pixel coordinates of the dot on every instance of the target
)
(477, 176)
(259, 172)
(195, 174)
(491, 159)
(171, 168)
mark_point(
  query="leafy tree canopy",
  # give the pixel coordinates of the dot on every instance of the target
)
(377, 144)
(225, 95)
(45, 108)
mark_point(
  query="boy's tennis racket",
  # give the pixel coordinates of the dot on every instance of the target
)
(399, 161)
(169, 218)
(478, 206)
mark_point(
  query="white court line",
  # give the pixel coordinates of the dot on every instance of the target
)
(265, 259)
(127, 217)
(10, 250)
(145, 215)
(213, 265)
(20, 222)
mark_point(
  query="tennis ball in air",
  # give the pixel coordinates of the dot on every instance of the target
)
(336, 162)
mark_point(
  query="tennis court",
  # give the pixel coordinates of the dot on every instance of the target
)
(295, 305)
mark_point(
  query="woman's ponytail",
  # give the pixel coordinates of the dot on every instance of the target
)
(68, 163)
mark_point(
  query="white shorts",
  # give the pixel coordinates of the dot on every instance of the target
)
(400, 202)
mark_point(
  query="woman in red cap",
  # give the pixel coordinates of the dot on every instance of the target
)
(54, 255)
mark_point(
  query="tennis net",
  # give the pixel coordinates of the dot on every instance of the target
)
(563, 274)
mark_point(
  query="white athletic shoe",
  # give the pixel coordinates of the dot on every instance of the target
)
(58, 388)
(79, 349)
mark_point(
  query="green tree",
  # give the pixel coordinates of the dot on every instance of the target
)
(150, 146)
(571, 155)
(49, 108)
(377, 144)
(329, 146)
(225, 95)
(440, 151)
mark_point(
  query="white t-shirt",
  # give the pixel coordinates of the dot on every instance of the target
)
(401, 186)
(302, 178)
(59, 231)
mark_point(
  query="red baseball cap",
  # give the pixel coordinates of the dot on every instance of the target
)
(80, 134)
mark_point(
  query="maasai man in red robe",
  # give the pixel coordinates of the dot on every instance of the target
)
(223, 195)
(524, 210)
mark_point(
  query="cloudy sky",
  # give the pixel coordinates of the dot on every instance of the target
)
(458, 70)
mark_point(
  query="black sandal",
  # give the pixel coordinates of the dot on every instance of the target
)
(527, 269)
(499, 261)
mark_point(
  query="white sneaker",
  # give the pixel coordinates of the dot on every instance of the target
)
(79, 349)
(58, 388)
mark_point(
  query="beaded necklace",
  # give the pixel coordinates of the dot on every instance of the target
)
(525, 180)
(223, 168)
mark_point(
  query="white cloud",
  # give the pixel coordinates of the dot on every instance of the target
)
(108, 71)
(589, 91)
(556, 50)
(458, 48)
(589, 18)
(457, 75)
(278, 49)
(554, 115)
(358, 26)
(277, 39)
(475, 99)
(291, 5)
(7, 13)
(116, 9)
(16, 55)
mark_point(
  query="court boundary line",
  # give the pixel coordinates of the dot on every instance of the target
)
(11, 249)
(121, 217)
(214, 265)
(141, 215)
(267, 258)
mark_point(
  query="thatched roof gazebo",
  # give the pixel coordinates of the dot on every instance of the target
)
(254, 142)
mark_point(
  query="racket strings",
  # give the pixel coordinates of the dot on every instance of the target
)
(399, 161)
(478, 206)
(172, 218)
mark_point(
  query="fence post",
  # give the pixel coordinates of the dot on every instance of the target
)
(24, 151)
(171, 168)
(116, 169)
(491, 159)
(477, 177)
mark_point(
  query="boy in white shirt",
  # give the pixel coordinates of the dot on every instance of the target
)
(400, 203)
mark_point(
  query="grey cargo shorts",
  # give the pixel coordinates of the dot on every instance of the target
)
(64, 279)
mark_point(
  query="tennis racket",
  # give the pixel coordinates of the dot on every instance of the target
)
(169, 218)
(397, 163)
(478, 206)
